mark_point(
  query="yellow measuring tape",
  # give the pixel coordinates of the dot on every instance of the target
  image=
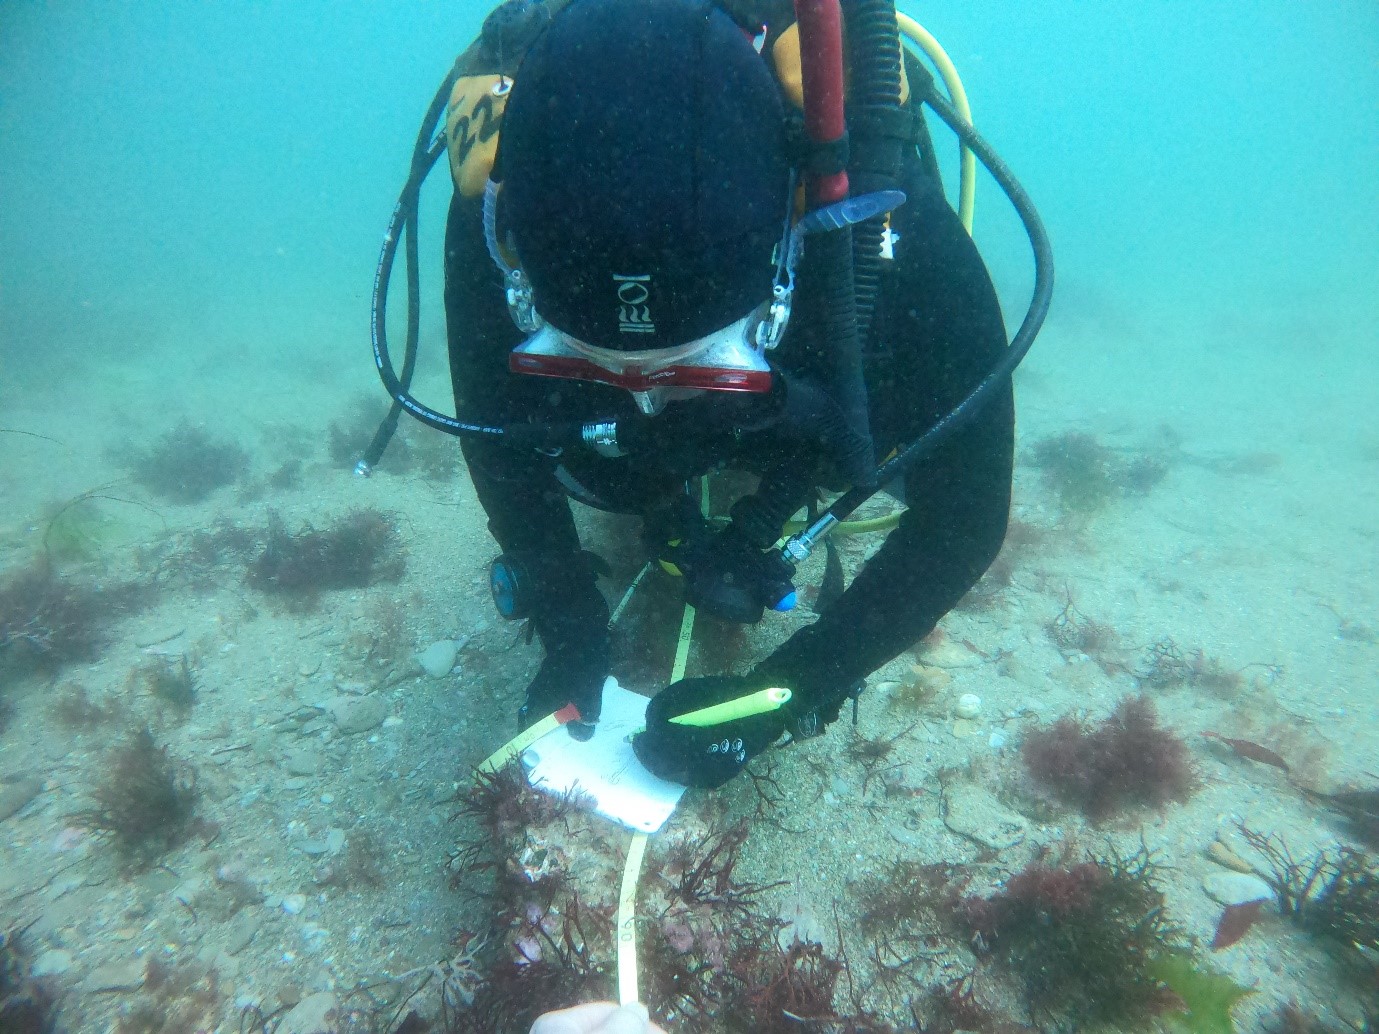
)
(636, 850)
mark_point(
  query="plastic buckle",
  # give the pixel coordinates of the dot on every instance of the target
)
(771, 330)
(520, 303)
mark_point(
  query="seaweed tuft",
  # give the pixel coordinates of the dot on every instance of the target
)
(170, 681)
(48, 620)
(1127, 759)
(360, 548)
(75, 708)
(147, 801)
(186, 464)
(1078, 469)
(1347, 909)
(176, 997)
(26, 1006)
(1084, 938)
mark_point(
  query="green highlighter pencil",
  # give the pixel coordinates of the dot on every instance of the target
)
(759, 702)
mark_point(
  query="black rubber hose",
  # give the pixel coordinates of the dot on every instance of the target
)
(425, 152)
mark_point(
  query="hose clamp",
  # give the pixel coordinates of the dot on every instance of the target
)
(602, 438)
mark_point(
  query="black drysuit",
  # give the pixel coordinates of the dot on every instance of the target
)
(937, 330)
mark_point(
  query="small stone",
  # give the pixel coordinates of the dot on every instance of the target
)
(331, 843)
(963, 728)
(51, 963)
(969, 705)
(127, 975)
(1236, 888)
(949, 654)
(438, 658)
(302, 762)
(936, 679)
(970, 811)
(1223, 855)
(188, 891)
(242, 930)
(314, 1014)
(13, 796)
(354, 715)
(293, 904)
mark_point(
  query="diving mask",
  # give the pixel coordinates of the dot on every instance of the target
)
(729, 359)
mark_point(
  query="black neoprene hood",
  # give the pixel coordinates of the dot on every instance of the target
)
(644, 172)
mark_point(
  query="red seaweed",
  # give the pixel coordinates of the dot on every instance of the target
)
(1235, 923)
(1251, 750)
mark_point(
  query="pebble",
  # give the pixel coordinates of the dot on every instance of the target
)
(949, 654)
(51, 963)
(1236, 888)
(1221, 854)
(964, 727)
(354, 715)
(331, 843)
(302, 762)
(969, 705)
(242, 930)
(293, 904)
(438, 658)
(314, 1014)
(935, 678)
(126, 975)
(13, 796)
(970, 811)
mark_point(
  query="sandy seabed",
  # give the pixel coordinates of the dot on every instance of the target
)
(320, 860)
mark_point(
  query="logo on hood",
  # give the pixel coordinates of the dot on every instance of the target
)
(634, 314)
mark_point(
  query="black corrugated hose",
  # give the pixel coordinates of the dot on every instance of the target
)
(874, 56)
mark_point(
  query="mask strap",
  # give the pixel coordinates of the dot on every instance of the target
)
(516, 286)
(772, 329)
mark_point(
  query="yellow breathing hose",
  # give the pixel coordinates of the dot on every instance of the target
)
(967, 161)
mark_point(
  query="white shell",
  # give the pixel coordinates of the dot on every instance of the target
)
(969, 705)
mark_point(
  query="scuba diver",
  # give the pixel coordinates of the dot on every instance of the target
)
(672, 250)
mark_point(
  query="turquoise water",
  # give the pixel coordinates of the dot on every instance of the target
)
(192, 198)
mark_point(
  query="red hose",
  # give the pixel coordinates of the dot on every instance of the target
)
(821, 68)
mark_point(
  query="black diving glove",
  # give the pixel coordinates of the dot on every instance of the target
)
(704, 757)
(707, 757)
(574, 676)
(571, 617)
(724, 574)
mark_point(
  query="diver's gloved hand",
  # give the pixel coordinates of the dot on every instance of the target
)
(567, 677)
(571, 617)
(704, 757)
(728, 577)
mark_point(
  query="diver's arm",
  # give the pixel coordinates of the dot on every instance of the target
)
(942, 318)
(528, 513)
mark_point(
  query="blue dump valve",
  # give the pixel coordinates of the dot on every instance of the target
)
(786, 602)
(506, 582)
